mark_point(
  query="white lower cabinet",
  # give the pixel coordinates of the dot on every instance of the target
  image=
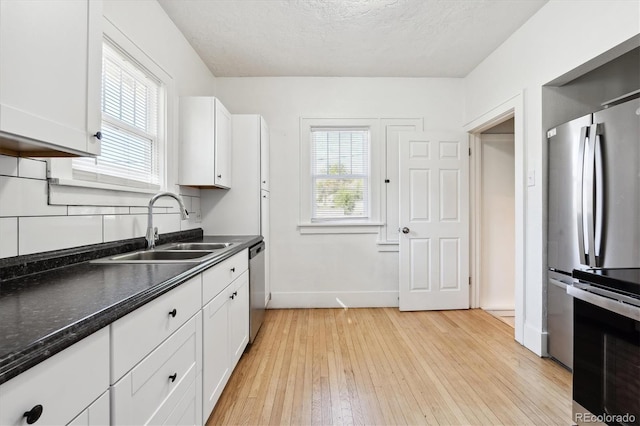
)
(168, 360)
(164, 388)
(61, 388)
(225, 336)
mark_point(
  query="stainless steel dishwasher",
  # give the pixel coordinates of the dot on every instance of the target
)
(256, 289)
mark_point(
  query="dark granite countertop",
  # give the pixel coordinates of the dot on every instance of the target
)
(46, 312)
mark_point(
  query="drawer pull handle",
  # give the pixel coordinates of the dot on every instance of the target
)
(173, 313)
(233, 295)
(34, 414)
(233, 269)
(173, 377)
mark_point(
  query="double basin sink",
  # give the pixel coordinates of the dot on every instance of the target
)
(174, 253)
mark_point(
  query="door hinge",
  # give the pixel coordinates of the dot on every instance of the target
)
(469, 152)
(469, 280)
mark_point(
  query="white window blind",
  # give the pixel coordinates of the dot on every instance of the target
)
(340, 173)
(130, 149)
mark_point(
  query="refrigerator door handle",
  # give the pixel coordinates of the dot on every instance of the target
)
(590, 193)
(599, 196)
(579, 194)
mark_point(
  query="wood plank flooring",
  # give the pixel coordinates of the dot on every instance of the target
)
(386, 367)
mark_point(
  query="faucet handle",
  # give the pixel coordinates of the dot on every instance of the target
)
(155, 234)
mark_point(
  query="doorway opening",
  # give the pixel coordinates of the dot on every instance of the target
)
(508, 115)
(494, 180)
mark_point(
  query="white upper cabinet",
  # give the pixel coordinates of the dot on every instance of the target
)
(50, 72)
(205, 142)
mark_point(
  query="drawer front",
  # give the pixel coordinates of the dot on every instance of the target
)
(138, 333)
(64, 385)
(187, 411)
(158, 383)
(216, 278)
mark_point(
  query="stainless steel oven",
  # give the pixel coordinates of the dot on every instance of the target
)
(606, 361)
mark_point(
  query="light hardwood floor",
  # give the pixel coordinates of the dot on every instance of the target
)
(381, 366)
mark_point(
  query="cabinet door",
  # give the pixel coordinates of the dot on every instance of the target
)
(266, 235)
(222, 146)
(97, 414)
(215, 365)
(197, 122)
(239, 318)
(264, 155)
(50, 65)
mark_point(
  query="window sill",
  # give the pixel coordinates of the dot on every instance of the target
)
(86, 193)
(340, 228)
(100, 185)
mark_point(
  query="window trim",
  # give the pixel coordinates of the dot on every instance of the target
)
(370, 225)
(60, 170)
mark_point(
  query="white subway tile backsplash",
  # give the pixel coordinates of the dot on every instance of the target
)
(8, 166)
(122, 227)
(195, 216)
(96, 210)
(8, 236)
(26, 197)
(33, 169)
(145, 210)
(195, 206)
(28, 224)
(166, 223)
(37, 234)
(189, 191)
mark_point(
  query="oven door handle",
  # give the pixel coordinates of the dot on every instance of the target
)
(621, 308)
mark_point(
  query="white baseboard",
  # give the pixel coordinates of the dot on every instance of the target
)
(501, 311)
(535, 340)
(333, 299)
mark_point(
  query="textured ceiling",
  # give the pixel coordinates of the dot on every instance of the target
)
(377, 38)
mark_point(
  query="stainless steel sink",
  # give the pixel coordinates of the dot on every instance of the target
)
(199, 246)
(160, 256)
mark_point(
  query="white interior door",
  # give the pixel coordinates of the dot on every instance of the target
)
(434, 221)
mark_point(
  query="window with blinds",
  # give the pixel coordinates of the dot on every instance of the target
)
(130, 148)
(340, 173)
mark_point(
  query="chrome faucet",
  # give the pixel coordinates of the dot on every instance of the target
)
(152, 233)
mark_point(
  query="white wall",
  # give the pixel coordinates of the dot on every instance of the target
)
(312, 270)
(560, 37)
(28, 224)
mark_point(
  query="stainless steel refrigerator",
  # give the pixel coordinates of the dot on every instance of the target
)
(593, 209)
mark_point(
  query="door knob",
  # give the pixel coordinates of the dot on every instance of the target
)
(405, 230)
